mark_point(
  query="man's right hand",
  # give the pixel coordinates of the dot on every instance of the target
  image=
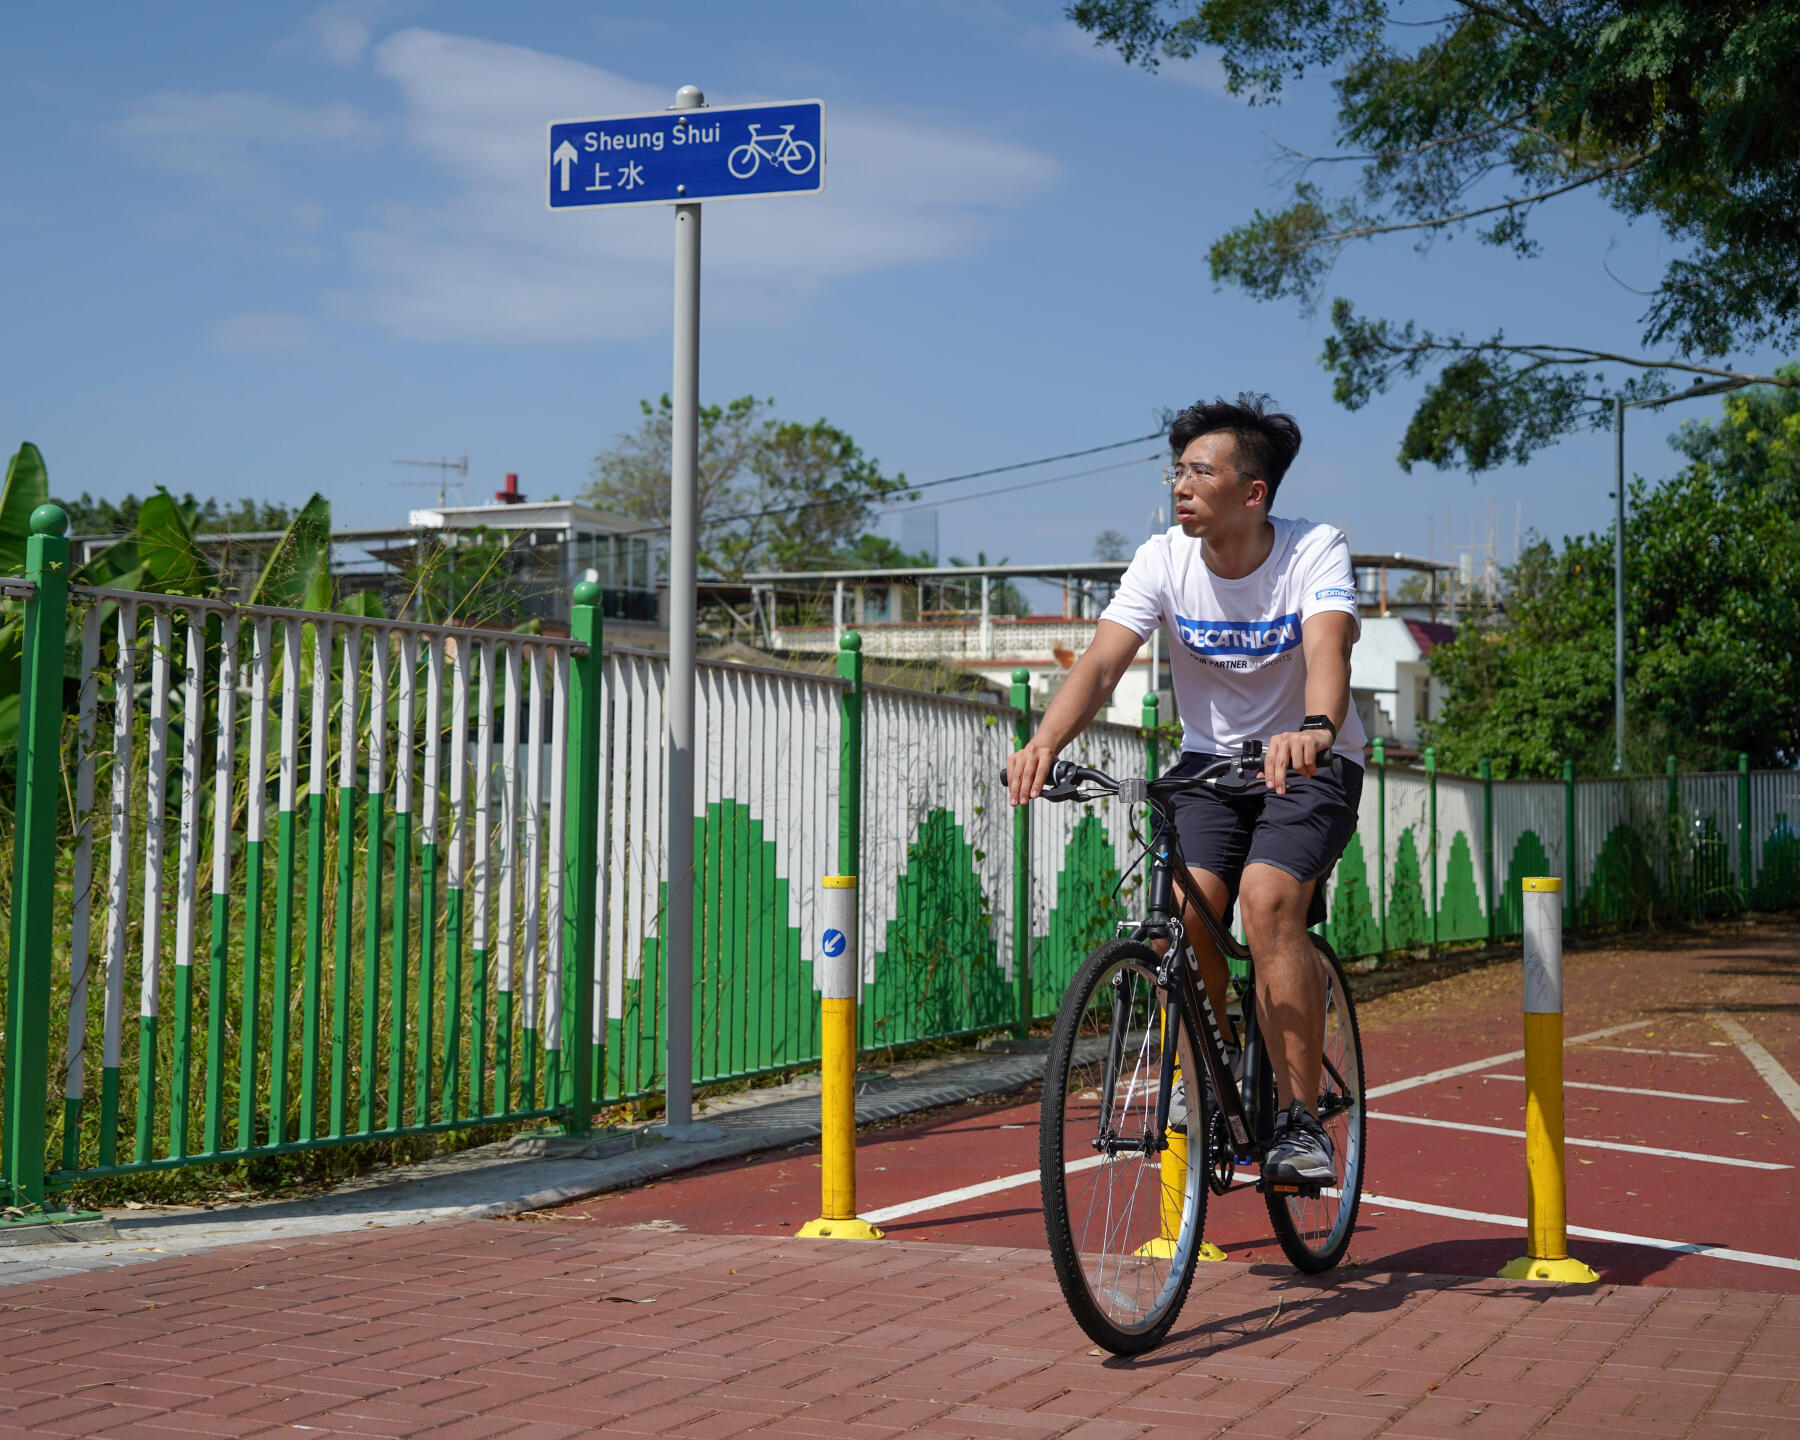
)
(1028, 771)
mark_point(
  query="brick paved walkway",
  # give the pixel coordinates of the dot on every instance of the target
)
(546, 1328)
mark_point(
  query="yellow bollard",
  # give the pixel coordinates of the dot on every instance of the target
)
(1547, 1253)
(1173, 1197)
(836, 960)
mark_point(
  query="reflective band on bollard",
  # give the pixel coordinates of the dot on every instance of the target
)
(1547, 1250)
(834, 959)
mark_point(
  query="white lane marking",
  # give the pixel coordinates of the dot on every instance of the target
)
(1629, 1090)
(1394, 1087)
(971, 1192)
(1511, 1222)
(1517, 1222)
(1767, 1066)
(1587, 1144)
(1635, 1050)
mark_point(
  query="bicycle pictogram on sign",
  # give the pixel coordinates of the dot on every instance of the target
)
(796, 156)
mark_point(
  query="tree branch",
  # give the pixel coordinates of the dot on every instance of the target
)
(1509, 122)
(1580, 355)
(1437, 222)
(1532, 21)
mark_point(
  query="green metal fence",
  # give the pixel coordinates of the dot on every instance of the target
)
(437, 885)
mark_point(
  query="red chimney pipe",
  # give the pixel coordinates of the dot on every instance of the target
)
(510, 495)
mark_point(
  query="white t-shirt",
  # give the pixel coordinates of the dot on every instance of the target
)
(1234, 645)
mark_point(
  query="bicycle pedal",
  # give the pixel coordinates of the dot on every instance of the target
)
(1306, 1189)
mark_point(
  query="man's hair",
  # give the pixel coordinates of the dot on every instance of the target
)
(1267, 440)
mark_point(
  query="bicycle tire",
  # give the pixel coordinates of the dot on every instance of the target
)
(1125, 1281)
(1314, 1231)
(752, 158)
(793, 154)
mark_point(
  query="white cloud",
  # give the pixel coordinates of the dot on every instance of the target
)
(341, 30)
(216, 137)
(261, 332)
(492, 263)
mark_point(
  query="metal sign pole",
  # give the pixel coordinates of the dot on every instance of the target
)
(1619, 584)
(684, 501)
(681, 157)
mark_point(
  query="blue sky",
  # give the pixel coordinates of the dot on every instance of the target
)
(256, 250)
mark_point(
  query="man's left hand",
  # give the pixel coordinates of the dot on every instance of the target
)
(1297, 751)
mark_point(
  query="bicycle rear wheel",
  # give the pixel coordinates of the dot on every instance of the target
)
(1314, 1230)
(1124, 1224)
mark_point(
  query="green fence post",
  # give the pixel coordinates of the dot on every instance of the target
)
(1150, 714)
(1020, 699)
(1743, 798)
(581, 860)
(1378, 759)
(850, 668)
(1672, 828)
(39, 782)
(1570, 868)
(1430, 758)
(849, 846)
(1487, 844)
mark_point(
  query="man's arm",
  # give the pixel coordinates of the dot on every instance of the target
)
(1077, 701)
(1325, 641)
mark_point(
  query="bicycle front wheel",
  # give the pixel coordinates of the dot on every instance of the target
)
(1123, 1211)
(743, 161)
(1314, 1230)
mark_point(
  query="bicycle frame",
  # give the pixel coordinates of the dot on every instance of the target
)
(1240, 1100)
(1177, 977)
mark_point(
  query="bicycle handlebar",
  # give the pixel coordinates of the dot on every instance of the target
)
(1240, 775)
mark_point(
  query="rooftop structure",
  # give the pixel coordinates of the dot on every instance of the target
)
(954, 615)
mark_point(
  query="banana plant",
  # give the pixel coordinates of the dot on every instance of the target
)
(164, 556)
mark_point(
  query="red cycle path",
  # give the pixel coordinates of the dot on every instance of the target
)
(1670, 999)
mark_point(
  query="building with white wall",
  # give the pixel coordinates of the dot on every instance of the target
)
(947, 614)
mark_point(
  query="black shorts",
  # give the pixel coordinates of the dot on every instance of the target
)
(1302, 832)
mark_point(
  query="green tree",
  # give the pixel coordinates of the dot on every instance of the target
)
(88, 516)
(1111, 545)
(1004, 597)
(877, 552)
(1712, 621)
(774, 494)
(1676, 111)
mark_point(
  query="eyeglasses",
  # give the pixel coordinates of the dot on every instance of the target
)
(1174, 474)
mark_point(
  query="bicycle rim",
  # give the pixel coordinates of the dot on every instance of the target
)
(1124, 1227)
(1314, 1230)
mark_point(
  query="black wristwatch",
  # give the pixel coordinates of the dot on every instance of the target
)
(1319, 722)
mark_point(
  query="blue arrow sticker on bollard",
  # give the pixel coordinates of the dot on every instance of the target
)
(833, 943)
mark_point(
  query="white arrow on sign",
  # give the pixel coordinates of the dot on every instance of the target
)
(564, 155)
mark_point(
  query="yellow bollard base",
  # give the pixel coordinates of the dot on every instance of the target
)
(851, 1229)
(1161, 1249)
(1565, 1272)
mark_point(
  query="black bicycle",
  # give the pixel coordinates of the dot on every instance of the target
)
(1124, 1204)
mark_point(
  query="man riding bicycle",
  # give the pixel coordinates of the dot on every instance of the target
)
(1261, 615)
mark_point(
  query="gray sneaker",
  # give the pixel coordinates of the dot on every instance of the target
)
(1178, 1110)
(1301, 1153)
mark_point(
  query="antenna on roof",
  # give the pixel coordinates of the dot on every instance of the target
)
(443, 467)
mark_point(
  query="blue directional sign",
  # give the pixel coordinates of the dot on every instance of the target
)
(671, 157)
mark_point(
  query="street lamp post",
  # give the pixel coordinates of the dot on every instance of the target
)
(1620, 406)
